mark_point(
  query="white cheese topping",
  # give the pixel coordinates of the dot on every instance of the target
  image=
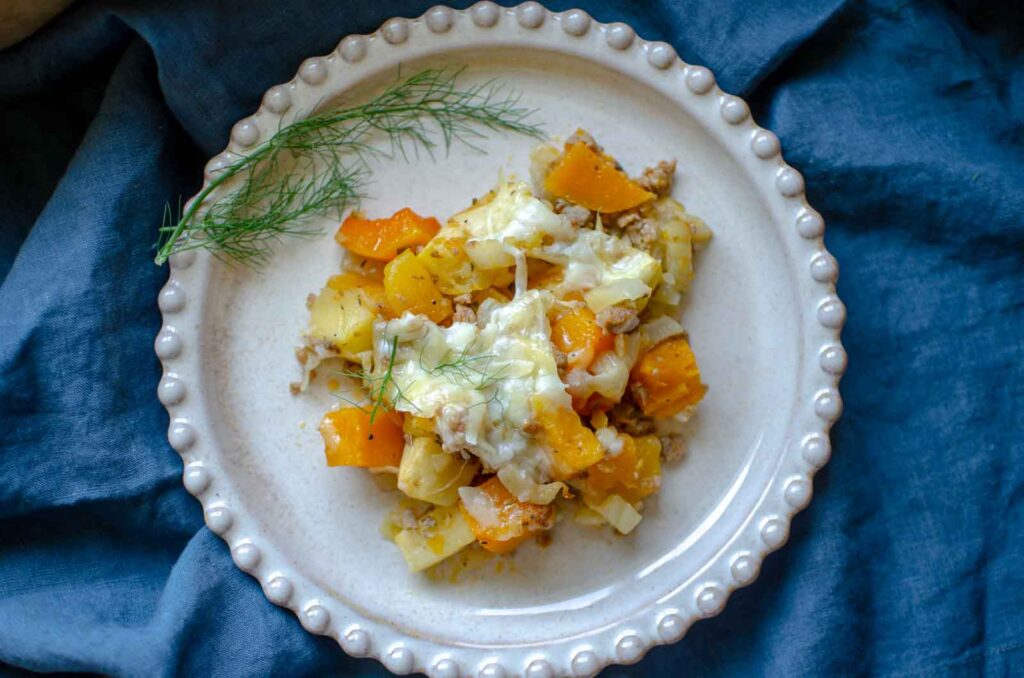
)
(513, 215)
(480, 505)
(610, 440)
(596, 260)
(512, 222)
(475, 381)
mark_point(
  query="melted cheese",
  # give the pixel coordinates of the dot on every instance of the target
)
(512, 224)
(475, 381)
(512, 215)
(595, 259)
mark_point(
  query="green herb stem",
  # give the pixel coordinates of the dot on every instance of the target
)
(379, 396)
(320, 164)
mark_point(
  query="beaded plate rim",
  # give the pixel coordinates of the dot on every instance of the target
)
(625, 642)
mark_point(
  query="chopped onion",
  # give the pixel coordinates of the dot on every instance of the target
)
(611, 293)
(314, 354)
(618, 512)
(660, 329)
(542, 157)
(525, 489)
(667, 294)
(588, 517)
(608, 377)
(676, 236)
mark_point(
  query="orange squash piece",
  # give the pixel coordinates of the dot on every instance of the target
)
(351, 440)
(409, 287)
(517, 520)
(586, 178)
(592, 405)
(383, 239)
(634, 473)
(577, 334)
(573, 446)
(373, 290)
(666, 379)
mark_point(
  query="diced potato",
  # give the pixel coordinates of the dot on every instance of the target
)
(701, 231)
(442, 532)
(499, 520)
(430, 474)
(455, 273)
(409, 287)
(371, 290)
(586, 178)
(344, 319)
(666, 379)
(418, 426)
(351, 440)
(383, 239)
(572, 445)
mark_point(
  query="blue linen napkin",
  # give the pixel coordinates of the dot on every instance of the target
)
(907, 119)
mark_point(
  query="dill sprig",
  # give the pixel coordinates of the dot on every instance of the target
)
(378, 385)
(384, 392)
(474, 369)
(379, 396)
(319, 165)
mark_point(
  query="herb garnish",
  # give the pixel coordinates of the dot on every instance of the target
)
(378, 385)
(452, 366)
(464, 366)
(378, 397)
(319, 165)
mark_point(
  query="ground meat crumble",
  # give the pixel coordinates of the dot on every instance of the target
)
(642, 233)
(586, 138)
(464, 314)
(628, 418)
(618, 320)
(673, 447)
(577, 216)
(658, 179)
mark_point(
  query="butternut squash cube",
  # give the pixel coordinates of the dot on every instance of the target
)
(383, 239)
(591, 180)
(666, 380)
(573, 446)
(509, 522)
(351, 440)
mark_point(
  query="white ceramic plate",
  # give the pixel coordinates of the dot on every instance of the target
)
(763, 317)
